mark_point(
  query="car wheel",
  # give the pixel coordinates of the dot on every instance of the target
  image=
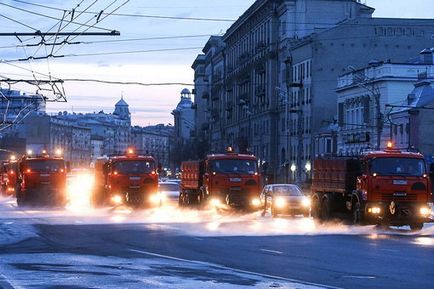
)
(316, 209)
(415, 227)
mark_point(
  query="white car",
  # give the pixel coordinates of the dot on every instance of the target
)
(169, 191)
(285, 199)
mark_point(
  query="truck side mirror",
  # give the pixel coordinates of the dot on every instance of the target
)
(68, 167)
(431, 170)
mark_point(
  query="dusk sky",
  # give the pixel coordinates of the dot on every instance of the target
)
(149, 105)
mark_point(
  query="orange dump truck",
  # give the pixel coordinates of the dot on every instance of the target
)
(229, 179)
(389, 187)
(130, 179)
(41, 180)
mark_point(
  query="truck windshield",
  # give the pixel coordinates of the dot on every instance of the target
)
(134, 167)
(398, 167)
(45, 165)
(287, 191)
(234, 166)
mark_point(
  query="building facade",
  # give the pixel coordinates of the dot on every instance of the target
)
(279, 64)
(364, 99)
(412, 121)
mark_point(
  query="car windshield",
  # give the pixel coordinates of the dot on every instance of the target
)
(234, 166)
(45, 165)
(287, 191)
(398, 167)
(134, 167)
(165, 187)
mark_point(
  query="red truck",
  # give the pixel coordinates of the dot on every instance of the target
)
(130, 180)
(221, 179)
(41, 180)
(389, 187)
(9, 177)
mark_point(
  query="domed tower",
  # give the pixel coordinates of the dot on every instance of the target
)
(184, 116)
(122, 110)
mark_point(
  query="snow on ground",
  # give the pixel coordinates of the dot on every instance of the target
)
(210, 222)
(82, 271)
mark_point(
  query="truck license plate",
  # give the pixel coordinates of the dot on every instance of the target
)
(400, 194)
(45, 175)
(235, 180)
(135, 178)
(399, 182)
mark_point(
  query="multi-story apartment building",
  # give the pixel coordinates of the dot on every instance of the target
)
(154, 141)
(281, 61)
(364, 97)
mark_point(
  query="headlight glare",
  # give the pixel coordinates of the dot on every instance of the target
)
(424, 211)
(306, 202)
(280, 202)
(256, 202)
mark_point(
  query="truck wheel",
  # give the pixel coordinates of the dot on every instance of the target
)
(316, 209)
(325, 209)
(273, 212)
(357, 214)
(415, 227)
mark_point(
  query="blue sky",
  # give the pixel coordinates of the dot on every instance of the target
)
(149, 105)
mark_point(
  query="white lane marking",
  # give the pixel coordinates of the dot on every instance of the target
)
(234, 269)
(359, 277)
(5, 283)
(271, 251)
(199, 239)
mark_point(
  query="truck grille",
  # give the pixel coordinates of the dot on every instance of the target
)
(398, 197)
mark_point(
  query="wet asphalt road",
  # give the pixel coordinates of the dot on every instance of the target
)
(365, 259)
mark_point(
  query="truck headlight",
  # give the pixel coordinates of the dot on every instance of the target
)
(215, 202)
(280, 202)
(158, 198)
(306, 202)
(256, 202)
(424, 211)
(116, 199)
(374, 210)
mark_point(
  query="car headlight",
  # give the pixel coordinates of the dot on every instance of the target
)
(424, 211)
(256, 202)
(280, 203)
(306, 202)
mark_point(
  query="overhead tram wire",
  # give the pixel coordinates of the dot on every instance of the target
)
(69, 22)
(115, 41)
(99, 20)
(137, 15)
(51, 17)
(102, 53)
(128, 82)
(19, 22)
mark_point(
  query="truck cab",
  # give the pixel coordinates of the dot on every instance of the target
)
(130, 180)
(395, 187)
(41, 181)
(229, 179)
(389, 187)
